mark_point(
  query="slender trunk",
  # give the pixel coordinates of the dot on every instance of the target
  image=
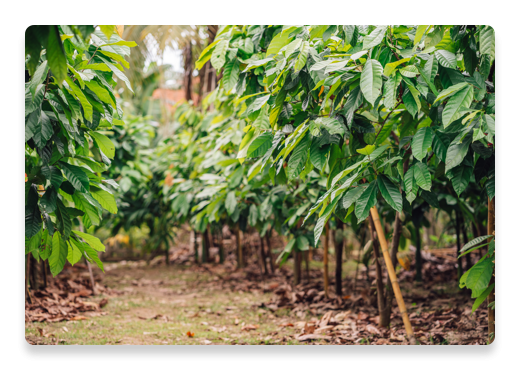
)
(263, 257)
(205, 246)
(418, 256)
(326, 261)
(221, 251)
(381, 294)
(195, 247)
(491, 296)
(44, 273)
(307, 273)
(187, 71)
(270, 253)
(34, 265)
(338, 250)
(393, 256)
(240, 258)
(27, 271)
(466, 240)
(457, 231)
(297, 267)
(392, 275)
(167, 252)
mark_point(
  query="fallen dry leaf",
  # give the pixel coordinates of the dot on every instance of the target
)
(190, 334)
(250, 327)
(372, 329)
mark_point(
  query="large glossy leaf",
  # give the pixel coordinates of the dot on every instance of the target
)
(301, 60)
(449, 91)
(43, 130)
(457, 152)
(460, 177)
(461, 100)
(318, 155)
(231, 202)
(322, 220)
(56, 55)
(410, 184)
(278, 42)
(479, 277)
(446, 58)
(371, 80)
(374, 38)
(76, 176)
(59, 252)
(487, 41)
(104, 143)
(422, 140)
(230, 75)
(260, 145)
(390, 90)
(104, 198)
(298, 157)
(422, 176)
(474, 242)
(390, 192)
(366, 201)
(94, 242)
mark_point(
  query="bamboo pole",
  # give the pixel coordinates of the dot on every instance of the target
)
(392, 275)
(491, 296)
(326, 261)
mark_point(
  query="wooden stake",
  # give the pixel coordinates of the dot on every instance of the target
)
(491, 296)
(392, 275)
(326, 261)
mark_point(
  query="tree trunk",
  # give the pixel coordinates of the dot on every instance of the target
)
(391, 274)
(491, 296)
(44, 273)
(188, 71)
(418, 256)
(195, 247)
(240, 257)
(466, 240)
(457, 231)
(338, 250)
(33, 280)
(205, 246)
(270, 253)
(221, 251)
(297, 267)
(27, 272)
(263, 257)
(326, 261)
(384, 311)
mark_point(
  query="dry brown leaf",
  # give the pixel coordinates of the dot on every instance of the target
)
(372, 329)
(190, 334)
(250, 327)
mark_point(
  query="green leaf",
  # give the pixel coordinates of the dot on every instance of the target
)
(461, 100)
(93, 256)
(390, 90)
(278, 42)
(91, 214)
(457, 152)
(104, 198)
(74, 253)
(43, 131)
(460, 177)
(76, 91)
(422, 176)
(441, 142)
(116, 57)
(479, 277)
(490, 187)
(94, 242)
(101, 92)
(352, 196)
(276, 109)
(104, 143)
(390, 192)
(218, 57)
(76, 176)
(450, 90)
(298, 157)
(419, 34)
(390, 67)
(63, 216)
(262, 121)
(474, 242)
(318, 155)
(422, 140)
(120, 75)
(332, 125)
(367, 150)
(371, 80)
(487, 41)
(301, 60)
(375, 37)
(230, 75)
(366, 201)
(53, 174)
(260, 145)
(38, 77)
(446, 59)
(58, 255)
(107, 30)
(481, 298)
(231, 202)
(410, 184)
(322, 220)
(56, 55)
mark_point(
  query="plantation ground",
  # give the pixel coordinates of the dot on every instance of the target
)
(161, 304)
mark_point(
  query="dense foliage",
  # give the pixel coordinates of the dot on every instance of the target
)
(70, 107)
(400, 115)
